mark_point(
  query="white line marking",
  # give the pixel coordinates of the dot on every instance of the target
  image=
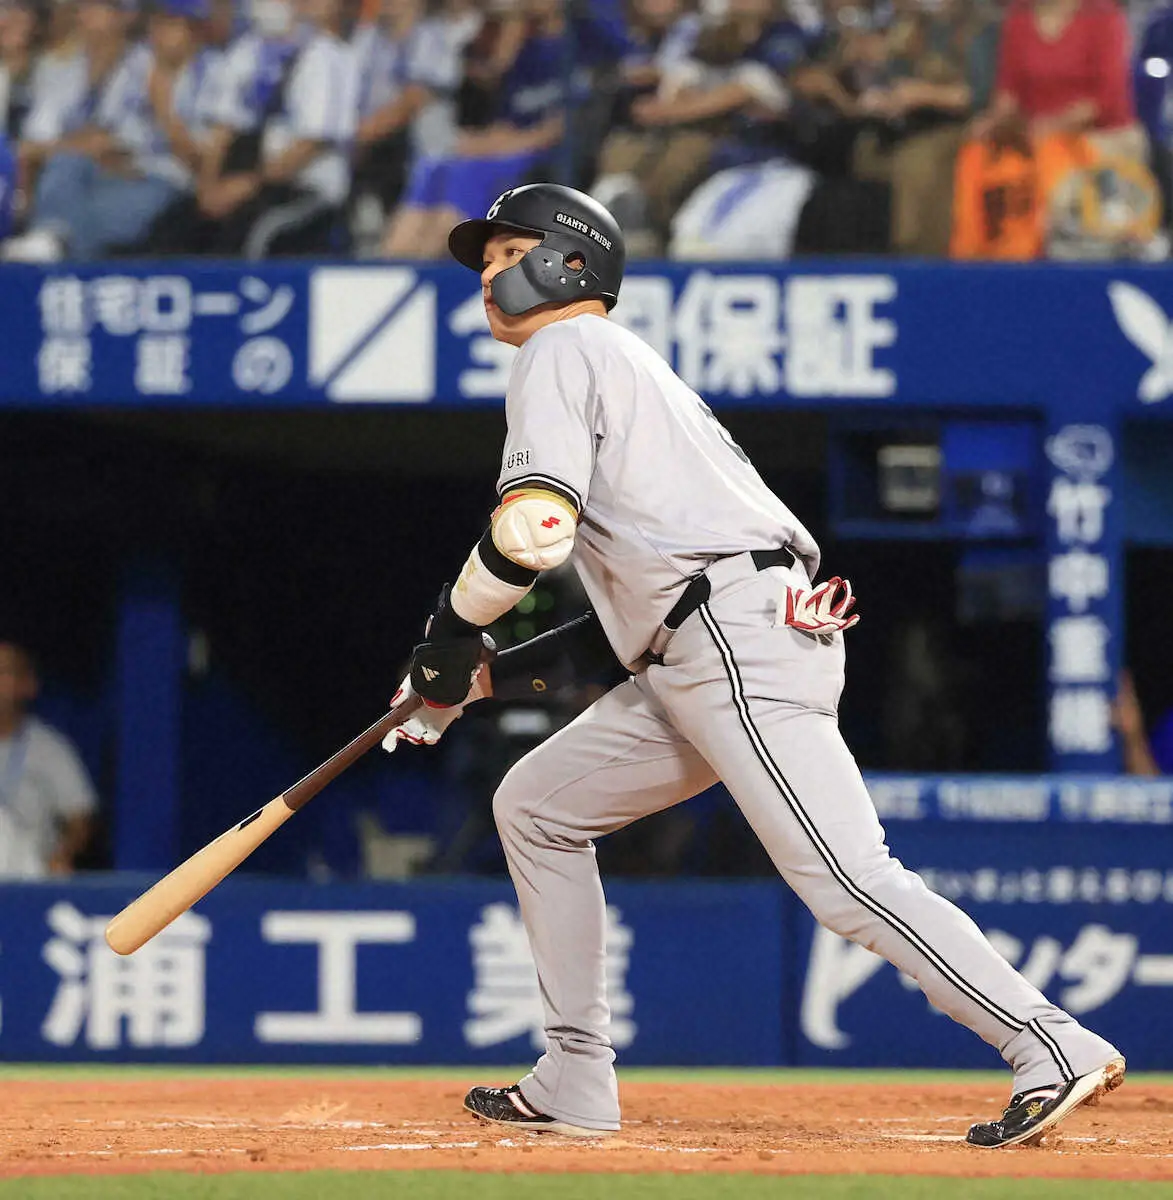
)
(417, 1146)
(682, 1149)
(257, 1126)
(924, 1137)
(125, 1153)
(910, 1120)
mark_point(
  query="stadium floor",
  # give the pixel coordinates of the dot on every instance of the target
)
(272, 1134)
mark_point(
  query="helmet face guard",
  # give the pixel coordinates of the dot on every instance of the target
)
(542, 277)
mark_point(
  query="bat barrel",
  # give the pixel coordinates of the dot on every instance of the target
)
(189, 882)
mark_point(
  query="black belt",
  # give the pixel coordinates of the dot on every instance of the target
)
(699, 588)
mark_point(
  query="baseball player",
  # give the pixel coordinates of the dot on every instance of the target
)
(702, 583)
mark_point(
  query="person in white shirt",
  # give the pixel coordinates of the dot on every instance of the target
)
(409, 71)
(278, 165)
(96, 192)
(46, 797)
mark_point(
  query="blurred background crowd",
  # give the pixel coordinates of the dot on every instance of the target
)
(714, 128)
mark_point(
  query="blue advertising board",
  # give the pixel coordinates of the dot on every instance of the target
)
(816, 333)
(276, 972)
(1085, 913)
(1024, 800)
(699, 972)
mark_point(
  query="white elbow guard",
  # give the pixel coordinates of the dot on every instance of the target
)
(535, 529)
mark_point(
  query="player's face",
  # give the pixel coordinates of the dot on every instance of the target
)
(501, 252)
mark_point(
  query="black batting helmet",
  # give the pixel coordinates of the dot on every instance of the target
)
(568, 222)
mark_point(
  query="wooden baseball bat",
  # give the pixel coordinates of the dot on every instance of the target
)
(176, 892)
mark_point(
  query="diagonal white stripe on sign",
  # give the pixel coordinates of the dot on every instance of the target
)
(346, 303)
(399, 361)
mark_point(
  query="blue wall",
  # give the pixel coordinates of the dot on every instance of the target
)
(1071, 881)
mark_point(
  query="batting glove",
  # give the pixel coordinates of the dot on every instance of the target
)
(427, 725)
(821, 610)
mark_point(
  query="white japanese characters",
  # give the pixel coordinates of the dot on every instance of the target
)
(1093, 970)
(337, 1021)
(158, 312)
(1079, 583)
(155, 997)
(372, 334)
(741, 334)
(737, 334)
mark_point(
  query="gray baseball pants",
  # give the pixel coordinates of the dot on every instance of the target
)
(754, 705)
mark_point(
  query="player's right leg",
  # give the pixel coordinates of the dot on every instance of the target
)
(618, 761)
(759, 701)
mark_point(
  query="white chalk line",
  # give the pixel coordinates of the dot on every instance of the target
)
(545, 1139)
(417, 1146)
(257, 1126)
(910, 1120)
(123, 1152)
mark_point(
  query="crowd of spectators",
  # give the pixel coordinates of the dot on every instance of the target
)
(714, 128)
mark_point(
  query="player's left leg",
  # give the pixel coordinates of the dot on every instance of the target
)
(616, 762)
(759, 702)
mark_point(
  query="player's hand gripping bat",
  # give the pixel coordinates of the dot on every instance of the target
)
(175, 893)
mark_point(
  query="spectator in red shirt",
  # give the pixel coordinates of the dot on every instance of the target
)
(1064, 68)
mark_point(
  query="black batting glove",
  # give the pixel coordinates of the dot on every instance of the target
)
(443, 666)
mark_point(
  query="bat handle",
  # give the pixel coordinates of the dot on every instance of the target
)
(305, 789)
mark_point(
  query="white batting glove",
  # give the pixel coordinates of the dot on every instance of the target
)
(821, 610)
(426, 725)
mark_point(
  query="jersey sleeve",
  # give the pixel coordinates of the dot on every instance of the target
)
(551, 409)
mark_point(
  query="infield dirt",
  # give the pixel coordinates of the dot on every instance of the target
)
(278, 1124)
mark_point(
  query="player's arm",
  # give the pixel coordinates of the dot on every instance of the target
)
(531, 530)
(547, 463)
(576, 651)
(569, 654)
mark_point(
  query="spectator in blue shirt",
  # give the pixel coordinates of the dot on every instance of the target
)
(513, 148)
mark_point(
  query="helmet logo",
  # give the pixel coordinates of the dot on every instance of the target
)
(497, 204)
(581, 226)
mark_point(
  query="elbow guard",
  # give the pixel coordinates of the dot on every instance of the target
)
(534, 528)
(531, 531)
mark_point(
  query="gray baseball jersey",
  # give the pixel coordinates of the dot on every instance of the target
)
(662, 488)
(733, 695)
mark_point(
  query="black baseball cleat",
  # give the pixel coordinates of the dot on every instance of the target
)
(1031, 1114)
(507, 1106)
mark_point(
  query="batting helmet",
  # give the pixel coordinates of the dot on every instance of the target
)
(569, 222)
